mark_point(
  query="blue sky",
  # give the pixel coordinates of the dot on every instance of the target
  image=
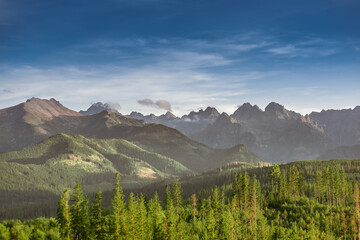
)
(302, 54)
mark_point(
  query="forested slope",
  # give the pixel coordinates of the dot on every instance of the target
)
(298, 201)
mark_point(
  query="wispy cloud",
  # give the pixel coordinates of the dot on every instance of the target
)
(162, 104)
(306, 48)
(299, 51)
(285, 50)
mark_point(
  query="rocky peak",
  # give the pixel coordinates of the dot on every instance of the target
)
(247, 111)
(224, 119)
(274, 107)
(99, 107)
(169, 115)
(210, 113)
(278, 111)
(136, 115)
(357, 109)
(152, 116)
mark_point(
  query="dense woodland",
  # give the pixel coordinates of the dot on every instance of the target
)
(298, 201)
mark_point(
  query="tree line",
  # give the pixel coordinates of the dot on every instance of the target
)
(290, 207)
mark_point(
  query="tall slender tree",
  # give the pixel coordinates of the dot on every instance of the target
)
(63, 215)
(97, 218)
(79, 213)
(118, 209)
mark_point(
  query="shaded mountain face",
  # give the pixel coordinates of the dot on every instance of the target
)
(343, 126)
(276, 134)
(99, 107)
(342, 152)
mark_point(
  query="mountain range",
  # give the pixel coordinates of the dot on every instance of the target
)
(48, 147)
(275, 134)
(35, 120)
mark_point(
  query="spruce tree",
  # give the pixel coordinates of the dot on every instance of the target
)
(63, 215)
(131, 218)
(118, 208)
(97, 218)
(79, 213)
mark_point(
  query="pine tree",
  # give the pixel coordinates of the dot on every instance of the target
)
(131, 219)
(357, 208)
(142, 219)
(63, 215)
(79, 213)
(97, 218)
(177, 198)
(156, 218)
(275, 176)
(118, 208)
(170, 216)
(254, 208)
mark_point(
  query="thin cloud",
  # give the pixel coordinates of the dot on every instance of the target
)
(286, 50)
(162, 104)
(113, 105)
(291, 50)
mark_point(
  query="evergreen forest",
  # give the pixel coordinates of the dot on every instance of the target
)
(292, 201)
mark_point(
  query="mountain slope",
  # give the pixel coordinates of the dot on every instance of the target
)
(33, 121)
(60, 160)
(342, 152)
(276, 134)
(343, 126)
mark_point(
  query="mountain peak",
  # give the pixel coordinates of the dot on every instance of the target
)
(136, 115)
(209, 113)
(169, 115)
(99, 107)
(46, 108)
(224, 118)
(273, 106)
(278, 111)
(247, 111)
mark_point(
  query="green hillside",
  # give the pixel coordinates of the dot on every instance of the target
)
(173, 144)
(31, 179)
(58, 162)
